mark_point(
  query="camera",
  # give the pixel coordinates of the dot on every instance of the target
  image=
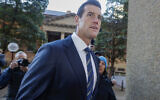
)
(23, 62)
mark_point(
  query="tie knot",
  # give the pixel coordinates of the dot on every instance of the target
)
(87, 50)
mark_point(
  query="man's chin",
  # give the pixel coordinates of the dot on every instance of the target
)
(94, 34)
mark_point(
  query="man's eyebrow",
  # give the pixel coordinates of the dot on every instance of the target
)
(91, 12)
(94, 13)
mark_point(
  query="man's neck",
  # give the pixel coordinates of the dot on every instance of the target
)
(86, 40)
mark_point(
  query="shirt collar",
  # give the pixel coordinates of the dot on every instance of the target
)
(79, 43)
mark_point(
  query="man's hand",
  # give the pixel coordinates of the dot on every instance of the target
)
(13, 64)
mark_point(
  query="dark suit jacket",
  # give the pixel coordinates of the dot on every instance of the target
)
(56, 73)
(105, 91)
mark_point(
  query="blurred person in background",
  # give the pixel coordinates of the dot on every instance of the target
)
(13, 75)
(105, 91)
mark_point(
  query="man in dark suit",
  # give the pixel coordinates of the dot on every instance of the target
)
(60, 69)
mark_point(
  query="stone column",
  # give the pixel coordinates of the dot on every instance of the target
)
(62, 36)
(143, 50)
(46, 35)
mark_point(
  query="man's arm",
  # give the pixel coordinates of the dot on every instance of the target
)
(5, 77)
(38, 76)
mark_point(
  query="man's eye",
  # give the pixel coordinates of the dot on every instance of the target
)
(99, 17)
(90, 14)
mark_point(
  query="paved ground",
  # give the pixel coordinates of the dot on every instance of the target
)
(3, 94)
(120, 95)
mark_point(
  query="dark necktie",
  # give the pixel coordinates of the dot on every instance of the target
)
(90, 74)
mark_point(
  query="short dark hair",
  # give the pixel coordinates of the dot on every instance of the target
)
(88, 2)
(98, 53)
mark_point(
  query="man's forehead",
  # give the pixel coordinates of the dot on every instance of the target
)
(92, 8)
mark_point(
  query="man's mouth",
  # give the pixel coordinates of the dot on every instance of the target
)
(94, 27)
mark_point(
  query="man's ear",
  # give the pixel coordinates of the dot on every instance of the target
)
(76, 18)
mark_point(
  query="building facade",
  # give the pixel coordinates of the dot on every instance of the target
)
(58, 25)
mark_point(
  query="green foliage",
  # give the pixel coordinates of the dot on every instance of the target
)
(20, 22)
(113, 37)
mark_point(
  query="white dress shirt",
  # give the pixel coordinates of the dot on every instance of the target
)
(80, 46)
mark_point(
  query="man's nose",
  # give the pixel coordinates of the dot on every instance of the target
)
(95, 21)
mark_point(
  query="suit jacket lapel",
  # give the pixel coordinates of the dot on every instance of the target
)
(76, 63)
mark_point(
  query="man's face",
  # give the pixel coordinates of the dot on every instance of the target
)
(88, 25)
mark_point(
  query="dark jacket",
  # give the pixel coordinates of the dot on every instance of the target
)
(2, 61)
(105, 91)
(56, 73)
(12, 78)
